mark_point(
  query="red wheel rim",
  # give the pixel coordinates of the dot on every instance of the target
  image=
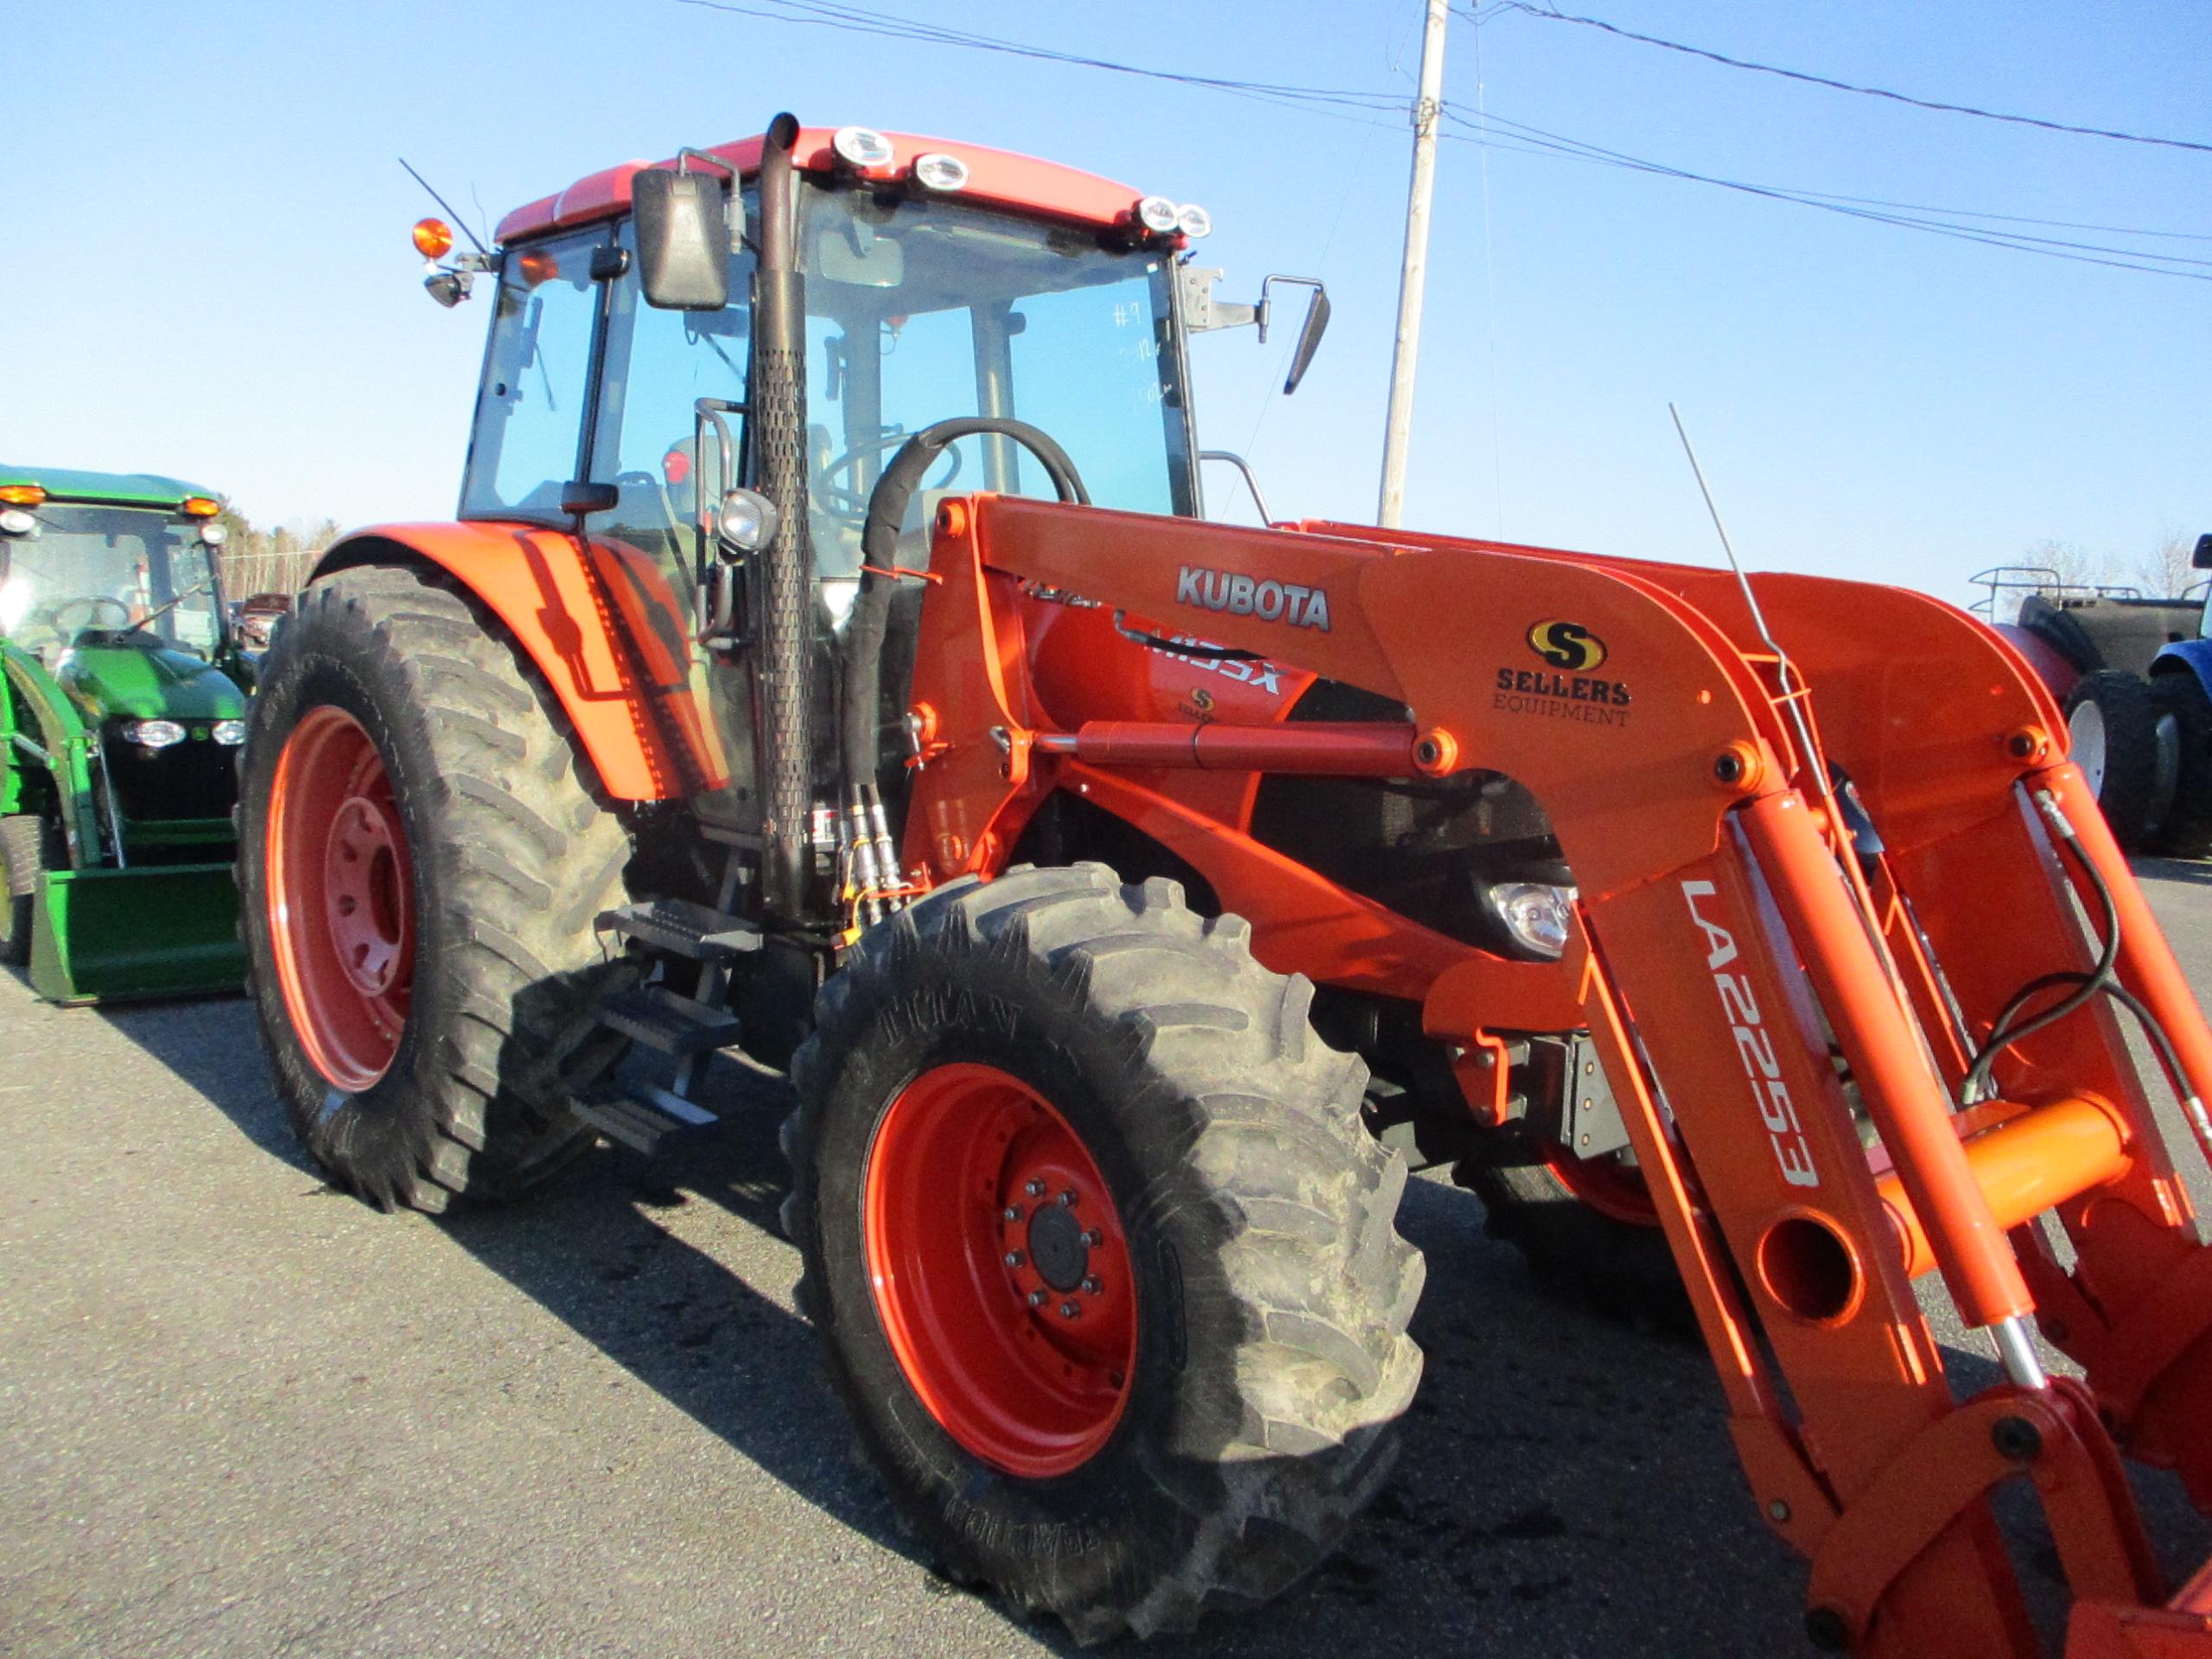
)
(1610, 1188)
(1000, 1269)
(340, 893)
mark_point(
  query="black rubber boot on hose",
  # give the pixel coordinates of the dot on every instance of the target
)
(22, 848)
(1101, 1257)
(420, 865)
(2113, 729)
(1601, 1246)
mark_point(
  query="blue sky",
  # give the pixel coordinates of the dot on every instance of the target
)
(210, 272)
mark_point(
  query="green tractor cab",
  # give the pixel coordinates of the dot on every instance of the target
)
(122, 709)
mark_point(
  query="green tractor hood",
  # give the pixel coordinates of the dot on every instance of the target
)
(139, 683)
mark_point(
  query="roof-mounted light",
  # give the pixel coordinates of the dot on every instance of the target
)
(23, 495)
(938, 171)
(14, 521)
(863, 147)
(213, 534)
(1158, 215)
(199, 507)
(433, 237)
(1193, 220)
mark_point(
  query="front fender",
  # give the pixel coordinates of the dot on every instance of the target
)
(2185, 657)
(607, 633)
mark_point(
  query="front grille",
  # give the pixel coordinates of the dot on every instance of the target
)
(196, 779)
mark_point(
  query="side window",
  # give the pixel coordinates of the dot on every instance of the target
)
(658, 365)
(529, 409)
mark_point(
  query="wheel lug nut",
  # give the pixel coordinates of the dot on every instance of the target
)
(1067, 1199)
(1092, 1287)
(1093, 1239)
(1013, 1258)
(1036, 1299)
(1070, 1311)
(1035, 1189)
(1013, 1213)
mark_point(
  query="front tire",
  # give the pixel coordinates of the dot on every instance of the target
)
(1206, 1424)
(2113, 729)
(2185, 825)
(420, 866)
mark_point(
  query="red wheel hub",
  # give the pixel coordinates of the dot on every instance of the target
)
(341, 894)
(1000, 1269)
(1612, 1190)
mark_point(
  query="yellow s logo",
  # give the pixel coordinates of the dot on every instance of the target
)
(1568, 646)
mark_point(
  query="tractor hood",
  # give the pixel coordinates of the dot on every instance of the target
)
(143, 683)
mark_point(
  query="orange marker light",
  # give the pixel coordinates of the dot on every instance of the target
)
(433, 237)
(23, 495)
(537, 266)
(201, 506)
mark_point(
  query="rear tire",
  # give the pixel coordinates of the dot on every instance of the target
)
(455, 1078)
(2113, 730)
(2185, 825)
(23, 856)
(1244, 1227)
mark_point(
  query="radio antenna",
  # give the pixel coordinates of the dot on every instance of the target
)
(1793, 686)
(448, 206)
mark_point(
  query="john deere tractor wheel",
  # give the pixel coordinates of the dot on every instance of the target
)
(419, 866)
(2112, 730)
(22, 844)
(1101, 1257)
(2183, 717)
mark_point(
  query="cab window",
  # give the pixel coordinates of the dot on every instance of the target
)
(529, 409)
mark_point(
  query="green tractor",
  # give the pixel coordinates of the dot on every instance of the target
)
(122, 709)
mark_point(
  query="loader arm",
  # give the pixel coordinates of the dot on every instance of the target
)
(1755, 983)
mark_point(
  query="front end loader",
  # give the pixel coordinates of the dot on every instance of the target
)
(1132, 901)
(122, 709)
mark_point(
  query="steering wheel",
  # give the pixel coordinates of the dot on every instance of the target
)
(845, 502)
(93, 606)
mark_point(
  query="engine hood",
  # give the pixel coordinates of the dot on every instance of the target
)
(142, 683)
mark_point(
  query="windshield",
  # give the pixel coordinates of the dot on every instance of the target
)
(920, 309)
(106, 568)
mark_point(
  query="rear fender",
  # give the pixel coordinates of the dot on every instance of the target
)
(607, 633)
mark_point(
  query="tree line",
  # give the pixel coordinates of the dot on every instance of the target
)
(273, 561)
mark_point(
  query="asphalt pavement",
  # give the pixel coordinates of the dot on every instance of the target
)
(243, 1415)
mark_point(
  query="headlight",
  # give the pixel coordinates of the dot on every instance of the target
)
(1193, 220)
(1538, 915)
(228, 733)
(17, 522)
(748, 521)
(862, 146)
(938, 171)
(1158, 214)
(213, 534)
(152, 733)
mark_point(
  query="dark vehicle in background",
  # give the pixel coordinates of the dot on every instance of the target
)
(2134, 674)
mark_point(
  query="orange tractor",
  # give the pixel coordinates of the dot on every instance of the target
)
(831, 668)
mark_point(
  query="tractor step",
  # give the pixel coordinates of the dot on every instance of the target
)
(683, 928)
(661, 1019)
(642, 1114)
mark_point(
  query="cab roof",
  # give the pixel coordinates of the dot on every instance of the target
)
(996, 178)
(121, 489)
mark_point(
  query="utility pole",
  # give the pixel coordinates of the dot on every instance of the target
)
(1413, 273)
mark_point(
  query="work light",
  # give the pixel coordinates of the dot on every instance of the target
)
(228, 733)
(1193, 220)
(938, 171)
(152, 733)
(862, 146)
(1537, 914)
(1158, 214)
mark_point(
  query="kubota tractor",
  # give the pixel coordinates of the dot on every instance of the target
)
(830, 666)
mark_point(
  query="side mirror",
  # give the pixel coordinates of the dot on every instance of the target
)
(2202, 559)
(682, 232)
(1309, 338)
(580, 497)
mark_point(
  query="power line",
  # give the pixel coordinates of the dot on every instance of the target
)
(1518, 138)
(1552, 14)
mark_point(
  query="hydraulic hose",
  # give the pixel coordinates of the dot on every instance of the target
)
(861, 737)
